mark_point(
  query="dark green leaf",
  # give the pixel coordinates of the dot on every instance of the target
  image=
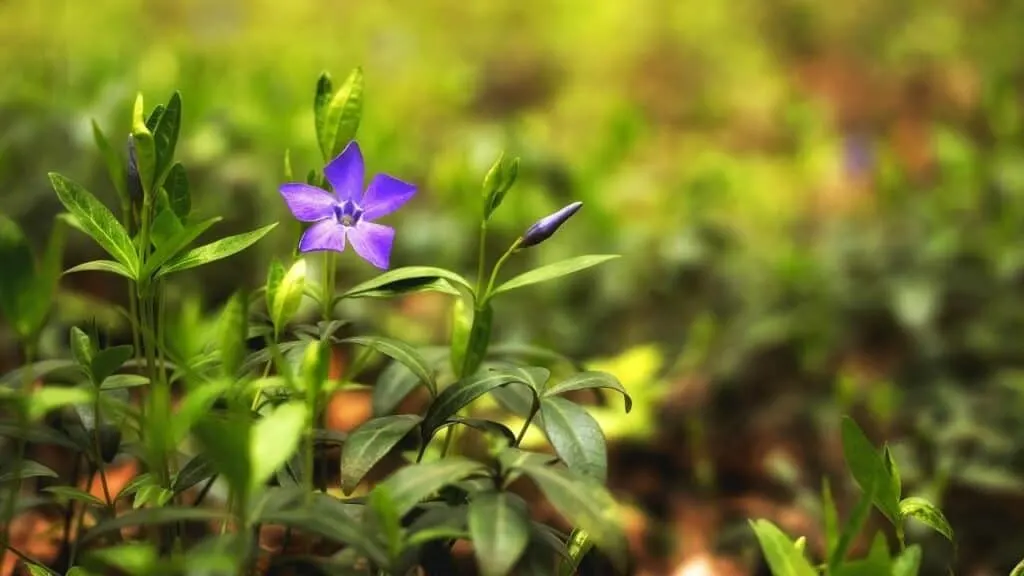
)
(179, 198)
(173, 245)
(71, 493)
(417, 481)
(226, 441)
(114, 162)
(853, 526)
(586, 504)
(18, 273)
(892, 470)
(96, 220)
(552, 271)
(867, 467)
(400, 352)
(106, 362)
(585, 380)
(165, 135)
(926, 512)
(391, 282)
(479, 340)
(37, 303)
(324, 91)
(342, 115)
(780, 553)
(386, 520)
(499, 527)
(460, 394)
(275, 437)
(198, 469)
(831, 518)
(369, 443)
(909, 563)
(102, 266)
(28, 469)
(152, 517)
(214, 251)
(536, 377)
(397, 381)
(576, 437)
(484, 426)
(82, 347)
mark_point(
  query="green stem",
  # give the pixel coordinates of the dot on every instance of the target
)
(307, 477)
(19, 460)
(447, 441)
(497, 267)
(481, 256)
(526, 423)
(328, 284)
(78, 525)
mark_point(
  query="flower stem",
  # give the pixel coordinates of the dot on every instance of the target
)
(480, 258)
(328, 284)
(494, 272)
(526, 424)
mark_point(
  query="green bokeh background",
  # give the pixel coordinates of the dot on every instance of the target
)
(819, 205)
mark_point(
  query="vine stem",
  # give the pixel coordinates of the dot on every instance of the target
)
(480, 257)
(526, 423)
(497, 267)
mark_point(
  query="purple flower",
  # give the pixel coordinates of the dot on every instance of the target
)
(546, 226)
(348, 213)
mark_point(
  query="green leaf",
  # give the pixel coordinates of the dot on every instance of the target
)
(576, 437)
(152, 517)
(232, 327)
(387, 521)
(102, 266)
(275, 438)
(28, 469)
(179, 199)
(96, 221)
(165, 225)
(324, 91)
(275, 274)
(18, 273)
(288, 295)
(497, 182)
(552, 271)
(400, 352)
(48, 398)
(36, 304)
(536, 377)
(214, 251)
(892, 470)
(342, 115)
(782, 556)
(853, 526)
(927, 513)
(413, 483)
(114, 162)
(499, 527)
(369, 443)
(121, 381)
(585, 503)
(462, 324)
(82, 347)
(591, 379)
(397, 381)
(71, 493)
(909, 563)
(831, 517)
(165, 135)
(40, 570)
(108, 361)
(402, 280)
(226, 441)
(327, 518)
(484, 425)
(876, 562)
(460, 394)
(868, 467)
(176, 243)
(577, 546)
(197, 469)
(136, 558)
(145, 148)
(196, 403)
(479, 339)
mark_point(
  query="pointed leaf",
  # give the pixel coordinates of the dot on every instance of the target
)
(552, 271)
(274, 439)
(401, 280)
(853, 526)
(876, 562)
(779, 551)
(397, 381)
(385, 519)
(288, 295)
(18, 274)
(121, 381)
(179, 198)
(460, 394)
(484, 425)
(369, 443)
(585, 380)
(868, 468)
(71, 493)
(145, 148)
(82, 348)
(909, 563)
(497, 182)
(114, 162)
(831, 518)
(479, 340)
(197, 469)
(214, 251)
(102, 266)
(342, 115)
(586, 504)
(927, 513)
(231, 333)
(97, 221)
(576, 437)
(893, 470)
(28, 469)
(415, 482)
(39, 300)
(226, 441)
(152, 517)
(108, 361)
(165, 135)
(48, 398)
(176, 243)
(499, 527)
(324, 91)
(400, 352)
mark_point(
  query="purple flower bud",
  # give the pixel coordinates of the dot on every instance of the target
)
(547, 225)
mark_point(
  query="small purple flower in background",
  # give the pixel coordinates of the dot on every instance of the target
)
(858, 155)
(348, 213)
(546, 226)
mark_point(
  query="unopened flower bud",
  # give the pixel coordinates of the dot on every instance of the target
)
(546, 226)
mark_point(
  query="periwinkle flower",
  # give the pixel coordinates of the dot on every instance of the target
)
(349, 212)
(546, 226)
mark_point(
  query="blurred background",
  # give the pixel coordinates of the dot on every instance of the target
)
(819, 208)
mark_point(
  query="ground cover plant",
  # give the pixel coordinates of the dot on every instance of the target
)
(234, 406)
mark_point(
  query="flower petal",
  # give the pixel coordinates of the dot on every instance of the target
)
(372, 242)
(324, 235)
(385, 195)
(308, 203)
(345, 173)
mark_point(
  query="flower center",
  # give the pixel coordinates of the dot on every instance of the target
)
(347, 213)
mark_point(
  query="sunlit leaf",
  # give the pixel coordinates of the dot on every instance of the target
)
(779, 551)
(552, 271)
(48, 398)
(214, 251)
(927, 513)
(97, 221)
(275, 437)
(401, 280)
(868, 468)
(587, 380)
(175, 244)
(102, 266)
(342, 115)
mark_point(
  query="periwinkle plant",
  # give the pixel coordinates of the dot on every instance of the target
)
(245, 427)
